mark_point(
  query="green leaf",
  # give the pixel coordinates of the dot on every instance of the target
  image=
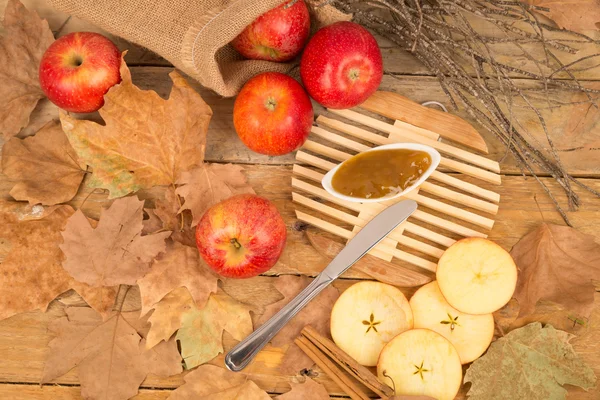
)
(201, 332)
(529, 363)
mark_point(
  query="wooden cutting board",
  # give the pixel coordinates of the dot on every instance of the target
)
(451, 203)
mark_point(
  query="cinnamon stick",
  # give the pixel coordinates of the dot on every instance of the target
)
(359, 372)
(331, 369)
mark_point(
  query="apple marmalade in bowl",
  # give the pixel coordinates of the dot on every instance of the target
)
(377, 174)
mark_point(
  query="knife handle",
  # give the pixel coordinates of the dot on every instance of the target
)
(241, 355)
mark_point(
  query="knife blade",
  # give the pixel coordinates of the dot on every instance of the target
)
(383, 271)
(371, 234)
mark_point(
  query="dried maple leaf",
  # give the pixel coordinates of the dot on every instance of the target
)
(114, 252)
(100, 299)
(147, 141)
(209, 184)
(26, 38)
(307, 390)
(179, 266)
(45, 167)
(201, 332)
(209, 382)
(556, 263)
(528, 363)
(110, 355)
(31, 275)
(166, 216)
(316, 314)
(167, 315)
(575, 15)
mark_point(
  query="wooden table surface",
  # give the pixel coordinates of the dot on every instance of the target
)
(523, 206)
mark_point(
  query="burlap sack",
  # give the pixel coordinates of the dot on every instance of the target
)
(193, 35)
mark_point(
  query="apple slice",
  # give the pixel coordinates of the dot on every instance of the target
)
(470, 334)
(476, 276)
(367, 316)
(421, 362)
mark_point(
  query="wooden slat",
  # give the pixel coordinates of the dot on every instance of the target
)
(428, 234)
(466, 186)
(408, 137)
(460, 198)
(363, 134)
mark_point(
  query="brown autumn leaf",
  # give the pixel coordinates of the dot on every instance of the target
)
(309, 389)
(31, 275)
(147, 141)
(316, 314)
(114, 252)
(166, 216)
(26, 38)
(558, 264)
(575, 15)
(209, 184)
(45, 166)
(546, 312)
(587, 345)
(110, 355)
(209, 382)
(179, 266)
(167, 315)
(100, 299)
(201, 333)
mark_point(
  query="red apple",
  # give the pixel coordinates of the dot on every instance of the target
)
(242, 236)
(272, 114)
(277, 35)
(341, 65)
(78, 69)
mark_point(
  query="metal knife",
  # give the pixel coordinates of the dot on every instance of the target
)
(372, 233)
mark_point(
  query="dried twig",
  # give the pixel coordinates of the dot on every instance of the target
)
(441, 34)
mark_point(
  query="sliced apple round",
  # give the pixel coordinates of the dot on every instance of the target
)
(421, 362)
(476, 276)
(470, 334)
(367, 316)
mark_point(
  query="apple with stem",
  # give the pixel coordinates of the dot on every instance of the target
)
(367, 316)
(470, 334)
(242, 236)
(272, 114)
(421, 362)
(476, 276)
(341, 65)
(277, 35)
(77, 70)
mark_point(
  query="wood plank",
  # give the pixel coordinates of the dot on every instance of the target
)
(36, 392)
(23, 340)
(579, 154)
(524, 206)
(396, 60)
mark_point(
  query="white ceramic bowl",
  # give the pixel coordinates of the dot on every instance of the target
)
(435, 161)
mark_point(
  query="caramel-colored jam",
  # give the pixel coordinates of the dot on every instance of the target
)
(376, 174)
